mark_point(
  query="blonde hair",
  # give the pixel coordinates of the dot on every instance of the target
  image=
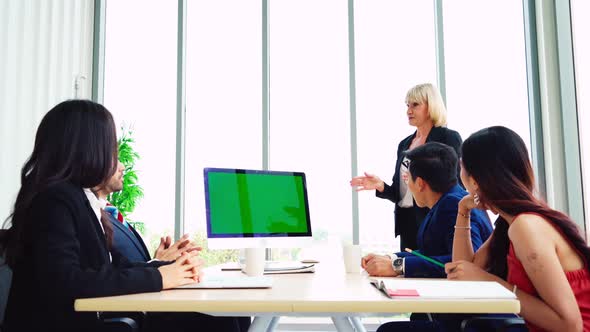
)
(429, 94)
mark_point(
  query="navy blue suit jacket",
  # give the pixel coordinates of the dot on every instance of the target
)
(435, 235)
(128, 242)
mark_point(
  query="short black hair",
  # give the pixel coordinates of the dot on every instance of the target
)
(435, 163)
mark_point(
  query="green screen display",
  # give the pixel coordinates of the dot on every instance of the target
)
(256, 203)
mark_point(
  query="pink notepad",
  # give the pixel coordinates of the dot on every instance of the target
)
(402, 292)
(391, 292)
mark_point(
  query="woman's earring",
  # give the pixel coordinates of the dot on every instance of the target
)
(476, 199)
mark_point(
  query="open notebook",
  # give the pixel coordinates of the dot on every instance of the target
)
(441, 289)
(219, 281)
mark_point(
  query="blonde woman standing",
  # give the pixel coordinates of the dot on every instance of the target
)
(425, 111)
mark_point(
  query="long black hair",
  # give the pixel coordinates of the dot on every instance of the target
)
(497, 158)
(76, 142)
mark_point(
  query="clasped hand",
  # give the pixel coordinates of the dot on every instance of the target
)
(167, 251)
(185, 270)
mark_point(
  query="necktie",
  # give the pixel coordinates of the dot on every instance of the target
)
(112, 210)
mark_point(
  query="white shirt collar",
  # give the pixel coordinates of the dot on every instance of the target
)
(96, 203)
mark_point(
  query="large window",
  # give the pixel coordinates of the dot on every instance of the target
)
(223, 95)
(581, 23)
(395, 50)
(140, 91)
(309, 107)
(485, 66)
(309, 94)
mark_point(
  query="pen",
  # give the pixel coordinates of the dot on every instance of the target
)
(435, 262)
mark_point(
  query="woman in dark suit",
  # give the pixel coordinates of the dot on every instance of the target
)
(58, 245)
(427, 112)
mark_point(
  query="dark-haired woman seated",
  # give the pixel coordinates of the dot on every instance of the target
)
(535, 251)
(58, 244)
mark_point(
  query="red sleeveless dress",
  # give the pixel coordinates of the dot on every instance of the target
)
(579, 281)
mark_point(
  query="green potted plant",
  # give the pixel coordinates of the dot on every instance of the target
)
(126, 200)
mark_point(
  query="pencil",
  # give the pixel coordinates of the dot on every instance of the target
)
(435, 262)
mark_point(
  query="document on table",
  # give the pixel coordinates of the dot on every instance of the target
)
(220, 281)
(441, 289)
(275, 267)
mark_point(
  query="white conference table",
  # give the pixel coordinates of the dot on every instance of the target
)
(329, 292)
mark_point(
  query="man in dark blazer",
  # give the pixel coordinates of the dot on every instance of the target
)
(433, 183)
(127, 241)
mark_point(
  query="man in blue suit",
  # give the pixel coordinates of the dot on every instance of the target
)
(127, 241)
(432, 179)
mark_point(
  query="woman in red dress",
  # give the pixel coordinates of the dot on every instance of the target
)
(534, 251)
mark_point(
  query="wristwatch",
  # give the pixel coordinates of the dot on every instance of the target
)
(398, 265)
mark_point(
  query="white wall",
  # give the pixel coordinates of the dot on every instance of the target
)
(44, 46)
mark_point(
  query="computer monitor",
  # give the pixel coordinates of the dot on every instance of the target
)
(254, 208)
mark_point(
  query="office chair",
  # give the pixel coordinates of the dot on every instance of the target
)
(121, 324)
(5, 278)
(498, 324)
(124, 324)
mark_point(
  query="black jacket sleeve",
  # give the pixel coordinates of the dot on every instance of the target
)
(453, 139)
(122, 262)
(63, 266)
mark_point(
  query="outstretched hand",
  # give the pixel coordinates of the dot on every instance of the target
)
(367, 182)
(167, 251)
(185, 270)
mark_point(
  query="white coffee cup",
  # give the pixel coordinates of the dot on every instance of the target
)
(352, 258)
(255, 261)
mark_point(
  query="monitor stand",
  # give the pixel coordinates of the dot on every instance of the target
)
(269, 266)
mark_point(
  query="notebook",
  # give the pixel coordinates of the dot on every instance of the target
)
(441, 289)
(217, 281)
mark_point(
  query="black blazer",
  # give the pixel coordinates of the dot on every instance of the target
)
(128, 243)
(65, 258)
(406, 227)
